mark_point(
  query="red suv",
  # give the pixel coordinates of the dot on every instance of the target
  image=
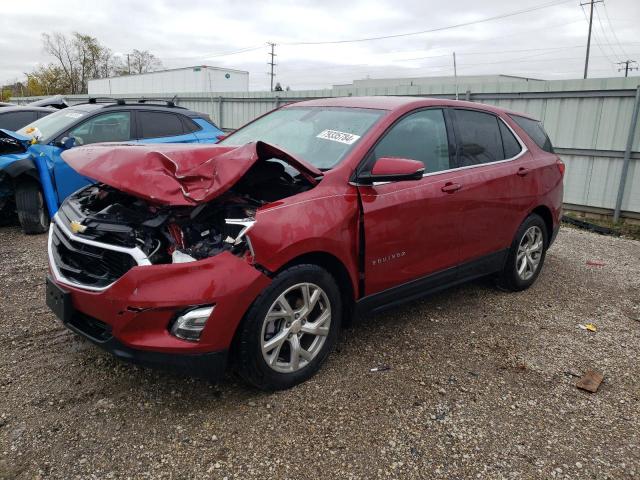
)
(254, 251)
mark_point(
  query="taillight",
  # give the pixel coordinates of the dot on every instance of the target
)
(561, 167)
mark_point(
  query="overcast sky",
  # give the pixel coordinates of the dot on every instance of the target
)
(546, 43)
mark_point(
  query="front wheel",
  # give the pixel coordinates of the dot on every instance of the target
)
(290, 329)
(32, 212)
(526, 255)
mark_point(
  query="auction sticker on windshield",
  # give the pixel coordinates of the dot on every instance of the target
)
(336, 136)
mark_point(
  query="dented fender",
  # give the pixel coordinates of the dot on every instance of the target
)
(291, 228)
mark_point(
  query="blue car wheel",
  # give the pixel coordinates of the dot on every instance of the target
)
(32, 212)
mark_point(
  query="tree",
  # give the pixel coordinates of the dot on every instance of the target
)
(79, 58)
(46, 80)
(143, 61)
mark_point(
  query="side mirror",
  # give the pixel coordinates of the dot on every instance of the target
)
(66, 143)
(391, 169)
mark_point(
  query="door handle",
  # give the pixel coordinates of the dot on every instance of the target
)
(451, 187)
(522, 171)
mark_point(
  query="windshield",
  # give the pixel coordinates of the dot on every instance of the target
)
(53, 124)
(322, 136)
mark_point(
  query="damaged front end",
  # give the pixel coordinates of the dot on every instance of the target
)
(165, 234)
(101, 232)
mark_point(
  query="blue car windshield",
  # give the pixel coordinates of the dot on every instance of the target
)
(51, 125)
(322, 136)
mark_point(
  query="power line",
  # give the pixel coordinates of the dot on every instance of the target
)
(595, 36)
(586, 60)
(215, 55)
(432, 30)
(613, 30)
(604, 34)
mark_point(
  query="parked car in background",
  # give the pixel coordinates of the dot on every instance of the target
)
(14, 118)
(58, 102)
(34, 179)
(258, 249)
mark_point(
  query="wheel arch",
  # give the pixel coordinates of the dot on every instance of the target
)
(338, 271)
(22, 169)
(545, 213)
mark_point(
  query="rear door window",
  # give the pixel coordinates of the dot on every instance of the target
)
(419, 136)
(159, 124)
(16, 120)
(534, 129)
(479, 138)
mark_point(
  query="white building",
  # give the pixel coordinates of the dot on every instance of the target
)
(446, 80)
(201, 78)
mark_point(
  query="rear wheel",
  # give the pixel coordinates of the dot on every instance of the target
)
(526, 255)
(290, 329)
(32, 211)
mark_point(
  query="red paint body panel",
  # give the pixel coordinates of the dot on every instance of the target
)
(411, 228)
(396, 166)
(322, 220)
(141, 304)
(171, 174)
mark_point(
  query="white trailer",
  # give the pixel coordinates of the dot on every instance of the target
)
(201, 78)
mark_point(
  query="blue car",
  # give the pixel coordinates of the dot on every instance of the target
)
(34, 180)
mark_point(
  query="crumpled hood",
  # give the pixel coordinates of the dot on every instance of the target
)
(173, 174)
(23, 140)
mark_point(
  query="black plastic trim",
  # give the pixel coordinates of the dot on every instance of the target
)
(210, 365)
(432, 283)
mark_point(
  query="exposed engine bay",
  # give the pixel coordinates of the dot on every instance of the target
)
(178, 234)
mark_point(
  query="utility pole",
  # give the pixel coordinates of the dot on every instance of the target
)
(455, 73)
(628, 65)
(128, 64)
(586, 60)
(272, 62)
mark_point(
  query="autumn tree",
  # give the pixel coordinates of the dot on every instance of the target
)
(78, 59)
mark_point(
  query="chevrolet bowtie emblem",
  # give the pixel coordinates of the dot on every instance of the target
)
(77, 227)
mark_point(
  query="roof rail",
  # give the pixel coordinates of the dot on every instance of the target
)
(118, 101)
(168, 103)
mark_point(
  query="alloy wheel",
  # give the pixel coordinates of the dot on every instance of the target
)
(529, 253)
(295, 327)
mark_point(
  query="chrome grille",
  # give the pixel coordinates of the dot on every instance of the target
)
(88, 264)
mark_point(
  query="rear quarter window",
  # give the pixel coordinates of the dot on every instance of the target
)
(190, 125)
(534, 129)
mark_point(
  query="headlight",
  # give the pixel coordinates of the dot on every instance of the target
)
(190, 324)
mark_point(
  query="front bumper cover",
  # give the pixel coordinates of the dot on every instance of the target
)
(210, 365)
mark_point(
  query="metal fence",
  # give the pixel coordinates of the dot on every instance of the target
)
(589, 122)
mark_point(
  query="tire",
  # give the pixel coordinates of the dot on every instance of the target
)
(275, 369)
(513, 276)
(32, 211)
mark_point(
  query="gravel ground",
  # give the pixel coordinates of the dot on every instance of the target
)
(481, 385)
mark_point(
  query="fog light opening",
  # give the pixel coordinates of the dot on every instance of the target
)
(189, 325)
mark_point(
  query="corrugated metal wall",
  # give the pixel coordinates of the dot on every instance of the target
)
(587, 120)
